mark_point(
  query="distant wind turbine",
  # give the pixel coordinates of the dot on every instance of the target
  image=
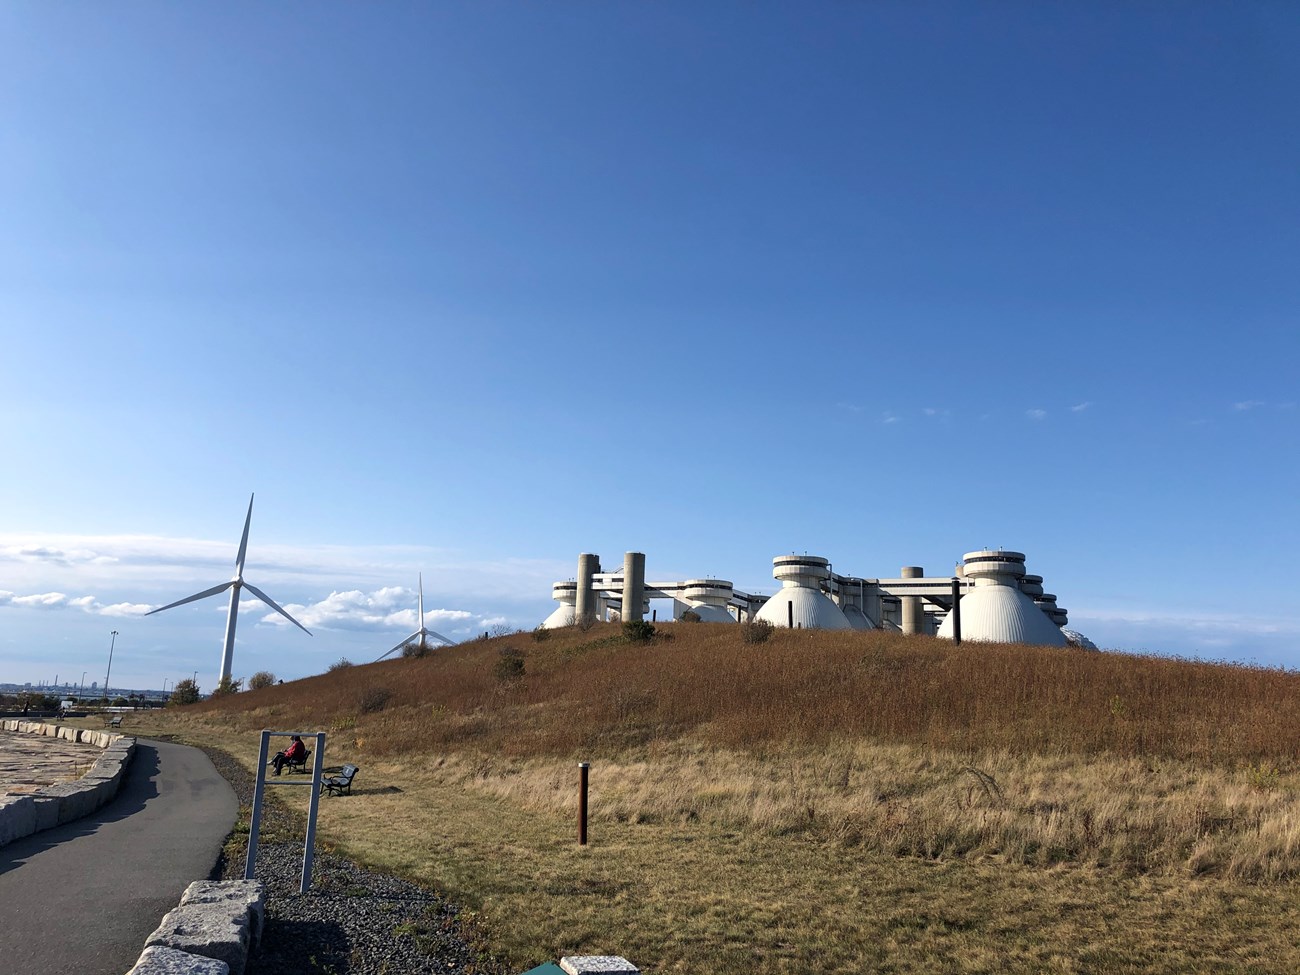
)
(234, 585)
(422, 633)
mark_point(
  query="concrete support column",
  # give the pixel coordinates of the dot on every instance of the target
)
(913, 613)
(871, 607)
(633, 585)
(586, 607)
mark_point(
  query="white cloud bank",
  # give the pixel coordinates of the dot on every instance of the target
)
(58, 600)
(392, 607)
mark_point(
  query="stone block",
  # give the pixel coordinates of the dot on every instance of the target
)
(597, 965)
(104, 784)
(110, 762)
(248, 896)
(11, 724)
(157, 960)
(67, 734)
(75, 799)
(17, 818)
(50, 730)
(47, 812)
(124, 747)
(210, 930)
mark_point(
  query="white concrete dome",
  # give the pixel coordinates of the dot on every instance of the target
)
(565, 614)
(708, 599)
(800, 600)
(1077, 639)
(995, 610)
(857, 619)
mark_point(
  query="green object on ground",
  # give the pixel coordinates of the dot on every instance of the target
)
(550, 968)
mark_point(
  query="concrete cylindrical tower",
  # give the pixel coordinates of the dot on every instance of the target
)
(913, 613)
(633, 585)
(586, 605)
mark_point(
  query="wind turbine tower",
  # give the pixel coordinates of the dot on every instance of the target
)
(422, 632)
(235, 585)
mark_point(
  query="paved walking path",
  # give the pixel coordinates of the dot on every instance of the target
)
(80, 899)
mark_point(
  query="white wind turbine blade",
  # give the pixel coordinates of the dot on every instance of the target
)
(450, 643)
(243, 543)
(399, 646)
(189, 599)
(421, 578)
(275, 606)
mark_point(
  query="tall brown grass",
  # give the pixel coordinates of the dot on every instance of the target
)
(910, 746)
(596, 690)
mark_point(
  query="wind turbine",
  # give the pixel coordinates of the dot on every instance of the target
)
(422, 633)
(234, 585)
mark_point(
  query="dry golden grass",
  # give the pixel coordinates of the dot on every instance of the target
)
(822, 802)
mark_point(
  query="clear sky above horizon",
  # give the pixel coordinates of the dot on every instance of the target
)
(467, 289)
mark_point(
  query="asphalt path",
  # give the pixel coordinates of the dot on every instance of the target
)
(80, 899)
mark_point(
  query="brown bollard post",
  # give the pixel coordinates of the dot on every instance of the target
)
(789, 614)
(956, 610)
(583, 769)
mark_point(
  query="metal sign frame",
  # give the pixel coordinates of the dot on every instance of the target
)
(309, 844)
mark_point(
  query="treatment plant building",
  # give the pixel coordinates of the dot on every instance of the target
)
(999, 602)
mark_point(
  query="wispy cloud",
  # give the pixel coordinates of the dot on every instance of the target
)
(57, 556)
(58, 600)
(1080, 407)
(1248, 404)
(889, 417)
(1036, 414)
(935, 412)
(392, 607)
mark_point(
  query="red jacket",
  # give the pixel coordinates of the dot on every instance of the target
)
(295, 751)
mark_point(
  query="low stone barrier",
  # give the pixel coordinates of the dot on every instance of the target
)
(55, 805)
(216, 925)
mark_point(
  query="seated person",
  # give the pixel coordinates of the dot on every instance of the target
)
(296, 752)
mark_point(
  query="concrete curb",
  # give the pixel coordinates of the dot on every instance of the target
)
(55, 805)
(216, 925)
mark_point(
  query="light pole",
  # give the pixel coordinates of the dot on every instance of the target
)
(81, 687)
(110, 664)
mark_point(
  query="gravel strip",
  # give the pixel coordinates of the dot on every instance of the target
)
(353, 921)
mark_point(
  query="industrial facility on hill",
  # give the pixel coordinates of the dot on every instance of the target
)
(998, 601)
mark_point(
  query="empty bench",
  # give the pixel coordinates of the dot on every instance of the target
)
(341, 784)
(113, 722)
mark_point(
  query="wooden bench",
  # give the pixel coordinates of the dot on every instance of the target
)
(299, 765)
(341, 784)
(113, 722)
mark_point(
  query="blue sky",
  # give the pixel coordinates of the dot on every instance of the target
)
(467, 289)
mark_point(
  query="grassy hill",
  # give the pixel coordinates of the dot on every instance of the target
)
(828, 802)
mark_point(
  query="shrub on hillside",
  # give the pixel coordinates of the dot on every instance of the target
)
(416, 650)
(339, 664)
(638, 631)
(541, 634)
(510, 665)
(690, 616)
(755, 631)
(185, 692)
(373, 699)
(228, 685)
(263, 678)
